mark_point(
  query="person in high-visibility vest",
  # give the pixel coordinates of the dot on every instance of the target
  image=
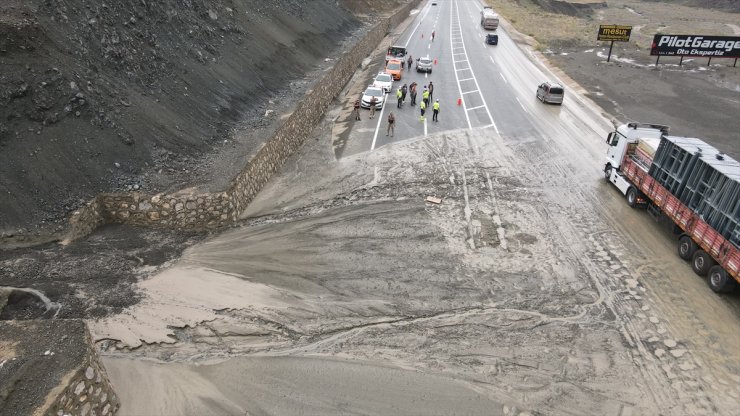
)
(425, 96)
(399, 95)
(422, 107)
(435, 110)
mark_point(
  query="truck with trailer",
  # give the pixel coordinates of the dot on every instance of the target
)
(489, 19)
(689, 182)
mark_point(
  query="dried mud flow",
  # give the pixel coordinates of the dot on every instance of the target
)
(515, 292)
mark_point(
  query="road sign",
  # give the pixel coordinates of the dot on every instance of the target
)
(614, 33)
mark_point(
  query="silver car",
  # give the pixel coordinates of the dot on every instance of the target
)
(550, 93)
(424, 64)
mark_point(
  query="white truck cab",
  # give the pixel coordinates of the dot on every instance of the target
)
(631, 133)
(644, 135)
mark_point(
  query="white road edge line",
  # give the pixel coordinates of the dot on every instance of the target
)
(502, 77)
(492, 60)
(425, 126)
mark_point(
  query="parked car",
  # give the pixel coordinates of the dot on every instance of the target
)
(548, 92)
(424, 64)
(384, 81)
(394, 69)
(370, 92)
(492, 39)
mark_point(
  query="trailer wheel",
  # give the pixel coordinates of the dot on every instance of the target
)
(719, 281)
(686, 247)
(632, 197)
(608, 172)
(701, 262)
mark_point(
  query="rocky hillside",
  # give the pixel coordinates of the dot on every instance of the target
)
(103, 96)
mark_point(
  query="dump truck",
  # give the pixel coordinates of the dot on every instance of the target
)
(689, 182)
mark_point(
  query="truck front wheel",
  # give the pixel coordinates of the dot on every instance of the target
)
(608, 172)
(701, 262)
(632, 197)
(686, 247)
(719, 281)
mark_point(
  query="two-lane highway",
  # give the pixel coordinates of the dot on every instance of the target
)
(478, 85)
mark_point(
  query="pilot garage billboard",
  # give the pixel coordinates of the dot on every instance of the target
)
(696, 45)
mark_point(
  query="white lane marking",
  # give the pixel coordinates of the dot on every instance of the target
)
(475, 108)
(462, 69)
(429, 46)
(470, 92)
(465, 79)
(502, 77)
(425, 126)
(521, 105)
(462, 60)
(492, 60)
(380, 120)
(472, 74)
(454, 66)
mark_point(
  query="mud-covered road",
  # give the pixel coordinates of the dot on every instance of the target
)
(516, 289)
(531, 287)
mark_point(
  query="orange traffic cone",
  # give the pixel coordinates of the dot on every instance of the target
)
(435, 61)
(459, 101)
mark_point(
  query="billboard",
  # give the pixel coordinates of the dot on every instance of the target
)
(614, 33)
(696, 45)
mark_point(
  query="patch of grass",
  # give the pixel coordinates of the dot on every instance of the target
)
(545, 27)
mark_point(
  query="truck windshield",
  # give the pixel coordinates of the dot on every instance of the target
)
(397, 51)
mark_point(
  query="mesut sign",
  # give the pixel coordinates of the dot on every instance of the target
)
(614, 33)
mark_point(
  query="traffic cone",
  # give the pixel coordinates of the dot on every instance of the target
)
(459, 101)
(435, 61)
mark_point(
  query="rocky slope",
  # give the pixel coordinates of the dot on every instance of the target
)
(103, 96)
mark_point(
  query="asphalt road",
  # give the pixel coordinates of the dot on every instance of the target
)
(477, 85)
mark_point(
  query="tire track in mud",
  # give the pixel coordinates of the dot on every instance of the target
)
(680, 390)
(469, 167)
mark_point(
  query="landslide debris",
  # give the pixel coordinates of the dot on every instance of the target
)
(134, 94)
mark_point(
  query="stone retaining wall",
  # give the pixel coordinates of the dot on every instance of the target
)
(51, 367)
(186, 210)
(88, 392)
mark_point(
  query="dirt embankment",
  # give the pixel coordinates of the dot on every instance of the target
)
(136, 95)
